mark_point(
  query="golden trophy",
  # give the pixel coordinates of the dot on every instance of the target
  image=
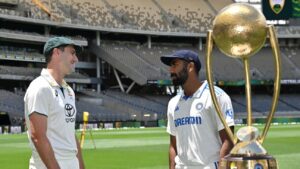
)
(239, 31)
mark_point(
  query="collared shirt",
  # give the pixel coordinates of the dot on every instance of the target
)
(195, 123)
(45, 96)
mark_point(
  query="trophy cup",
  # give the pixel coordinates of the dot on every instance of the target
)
(239, 31)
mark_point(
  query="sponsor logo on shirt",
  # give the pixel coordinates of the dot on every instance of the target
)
(177, 108)
(189, 120)
(69, 112)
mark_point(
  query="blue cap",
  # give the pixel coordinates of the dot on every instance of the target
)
(60, 41)
(187, 55)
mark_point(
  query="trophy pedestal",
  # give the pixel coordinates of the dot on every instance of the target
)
(248, 162)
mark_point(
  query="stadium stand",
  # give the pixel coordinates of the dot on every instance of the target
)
(226, 68)
(291, 53)
(143, 15)
(150, 106)
(13, 105)
(216, 5)
(288, 31)
(20, 54)
(196, 15)
(263, 61)
(134, 105)
(139, 57)
(94, 13)
(35, 37)
(127, 61)
(141, 60)
(99, 113)
(30, 73)
(261, 105)
(150, 15)
(291, 100)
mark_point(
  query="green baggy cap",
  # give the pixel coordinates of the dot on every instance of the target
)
(60, 41)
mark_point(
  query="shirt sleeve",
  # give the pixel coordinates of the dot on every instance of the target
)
(171, 126)
(37, 101)
(227, 110)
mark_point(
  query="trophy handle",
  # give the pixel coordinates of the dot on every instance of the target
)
(211, 86)
(277, 59)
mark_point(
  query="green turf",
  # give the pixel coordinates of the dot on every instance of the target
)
(143, 148)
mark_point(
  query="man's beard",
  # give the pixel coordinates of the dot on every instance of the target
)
(181, 78)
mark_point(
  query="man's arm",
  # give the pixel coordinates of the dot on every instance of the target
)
(227, 145)
(172, 152)
(38, 126)
(79, 154)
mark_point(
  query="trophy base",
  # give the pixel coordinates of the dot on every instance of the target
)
(248, 162)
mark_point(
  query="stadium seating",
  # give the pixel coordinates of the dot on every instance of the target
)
(21, 54)
(146, 61)
(94, 13)
(13, 105)
(226, 68)
(132, 104)
(128, 62)
(218, 5)
(144, 15)
(261, 105)
(31, 73)
(99, 113)
(195, 15)
(150, 15)
(153, 55)
(142, 60)
(292, 54)
(263, 61)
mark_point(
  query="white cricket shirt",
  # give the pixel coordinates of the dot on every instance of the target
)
(46, 97)
(195, 124)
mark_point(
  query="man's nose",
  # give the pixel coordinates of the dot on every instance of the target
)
(75, 58)
(171, 69)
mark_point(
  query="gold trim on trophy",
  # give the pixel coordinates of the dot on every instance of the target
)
(239, 31)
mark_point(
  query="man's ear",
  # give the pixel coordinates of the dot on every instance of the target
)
(191, 66)
(55, 51)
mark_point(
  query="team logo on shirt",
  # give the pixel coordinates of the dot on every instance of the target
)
(199, 106)
(69, 112)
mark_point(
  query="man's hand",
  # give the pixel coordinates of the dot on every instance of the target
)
(227, 145)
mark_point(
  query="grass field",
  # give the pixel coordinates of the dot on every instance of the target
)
(143, 148)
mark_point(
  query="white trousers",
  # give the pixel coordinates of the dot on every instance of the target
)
(64, 164)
